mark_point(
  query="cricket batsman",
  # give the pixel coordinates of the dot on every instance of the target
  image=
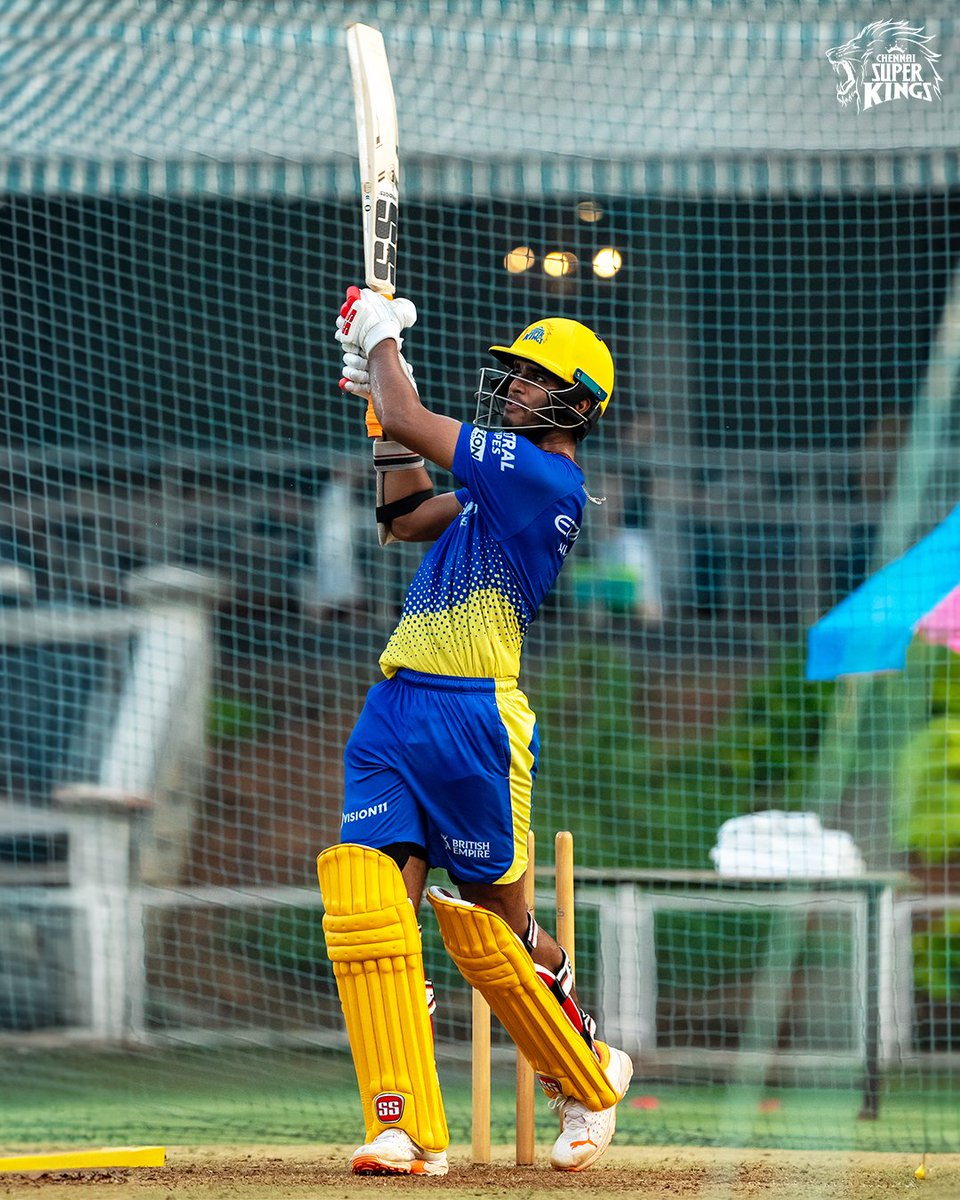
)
(440, 767)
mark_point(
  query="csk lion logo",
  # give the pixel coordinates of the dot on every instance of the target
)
(887, 60)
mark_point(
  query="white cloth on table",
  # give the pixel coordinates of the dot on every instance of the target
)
(778, 845)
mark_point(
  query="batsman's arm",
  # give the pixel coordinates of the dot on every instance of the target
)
(427, 521)
(406, 422)
(402, 415)
(370, 330)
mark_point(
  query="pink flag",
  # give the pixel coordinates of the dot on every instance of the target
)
(941, 625)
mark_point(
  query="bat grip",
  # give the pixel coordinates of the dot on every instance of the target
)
(374, 428)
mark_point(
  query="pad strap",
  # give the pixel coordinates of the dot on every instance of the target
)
(560, 985)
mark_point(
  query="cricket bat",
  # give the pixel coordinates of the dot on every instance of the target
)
(376, 114)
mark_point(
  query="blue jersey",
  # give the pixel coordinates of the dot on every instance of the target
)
(482, 582)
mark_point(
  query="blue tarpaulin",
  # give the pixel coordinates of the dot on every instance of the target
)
(873, 627)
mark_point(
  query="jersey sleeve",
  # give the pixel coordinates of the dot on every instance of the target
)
(508, 478)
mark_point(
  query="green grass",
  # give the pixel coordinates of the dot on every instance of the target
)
(244, 1097)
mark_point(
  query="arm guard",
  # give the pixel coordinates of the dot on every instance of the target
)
(391, 456)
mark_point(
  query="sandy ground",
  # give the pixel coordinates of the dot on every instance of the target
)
(320, 1173)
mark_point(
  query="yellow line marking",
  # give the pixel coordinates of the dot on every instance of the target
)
(80, 1160)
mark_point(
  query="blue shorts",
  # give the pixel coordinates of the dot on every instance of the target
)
(448, 764)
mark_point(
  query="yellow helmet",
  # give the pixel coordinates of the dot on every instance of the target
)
(570, 351)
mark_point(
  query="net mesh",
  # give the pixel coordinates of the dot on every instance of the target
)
(193, 599)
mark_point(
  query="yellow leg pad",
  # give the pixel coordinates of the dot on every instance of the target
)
(374, 944)
(495, 961)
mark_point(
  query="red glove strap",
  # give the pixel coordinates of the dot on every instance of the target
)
(346, 309)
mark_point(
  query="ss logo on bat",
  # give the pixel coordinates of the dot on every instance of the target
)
(385, 247)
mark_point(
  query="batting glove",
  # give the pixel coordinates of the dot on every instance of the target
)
(356, 373)
(367, 319)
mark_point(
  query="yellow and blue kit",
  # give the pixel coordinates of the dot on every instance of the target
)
(444, 754)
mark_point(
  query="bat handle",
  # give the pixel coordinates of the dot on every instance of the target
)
(372, 421)
(374, 428)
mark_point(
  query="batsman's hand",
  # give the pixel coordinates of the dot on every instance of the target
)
(356, 373)
(367, 319)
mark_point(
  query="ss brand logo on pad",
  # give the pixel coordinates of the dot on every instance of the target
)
(388, 1107)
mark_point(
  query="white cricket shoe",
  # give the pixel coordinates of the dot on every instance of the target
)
(585, 1134)
(394, 1152)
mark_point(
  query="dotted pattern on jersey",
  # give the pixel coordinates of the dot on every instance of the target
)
(480, 585)
(459, 623)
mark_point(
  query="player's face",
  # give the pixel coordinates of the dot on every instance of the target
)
(529, 390)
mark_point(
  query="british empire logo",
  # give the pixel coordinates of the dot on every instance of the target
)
(887, 60)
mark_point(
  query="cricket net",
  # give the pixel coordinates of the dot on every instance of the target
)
(193, 599)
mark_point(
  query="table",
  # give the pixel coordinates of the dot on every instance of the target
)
(634, 897)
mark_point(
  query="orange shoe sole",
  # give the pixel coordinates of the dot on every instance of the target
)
(370, 1165)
